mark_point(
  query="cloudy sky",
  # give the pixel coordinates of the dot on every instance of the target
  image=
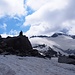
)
(37, 17)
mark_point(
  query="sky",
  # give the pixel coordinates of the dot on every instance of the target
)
(37, 17)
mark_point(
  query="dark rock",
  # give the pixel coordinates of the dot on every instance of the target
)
(34, 52)
(1, 51)
(21, 33)
(16, 45)
(73, 36)
(0, 36)
(41, 36)
(40, 46)
(58, 34)
(54, 35)
(50, 52)
(72, 56)
(20, 43)
(66, 59)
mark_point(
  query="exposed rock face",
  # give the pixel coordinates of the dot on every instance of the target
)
(18, 44)
(58, 34)
(67, 59)
(50, 53)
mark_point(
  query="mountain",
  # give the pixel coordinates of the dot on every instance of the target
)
(31, 65)
(19, 45)
(59, 42)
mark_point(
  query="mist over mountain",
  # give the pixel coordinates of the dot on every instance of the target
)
(59, 42)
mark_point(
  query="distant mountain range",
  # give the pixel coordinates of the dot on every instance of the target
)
(55, 35)
(59, 42)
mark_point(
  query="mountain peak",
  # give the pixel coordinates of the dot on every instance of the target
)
(58, 34)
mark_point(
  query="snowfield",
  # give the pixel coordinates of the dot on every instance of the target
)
(15, 65)
(58, 44)
(63, 42)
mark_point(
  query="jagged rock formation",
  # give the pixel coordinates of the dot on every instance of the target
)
(47, 50)
(67, 59)
(19, 44)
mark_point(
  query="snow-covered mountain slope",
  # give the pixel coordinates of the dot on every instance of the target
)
(15, 65)
(61, 43)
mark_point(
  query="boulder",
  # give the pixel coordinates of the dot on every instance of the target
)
(66, 59)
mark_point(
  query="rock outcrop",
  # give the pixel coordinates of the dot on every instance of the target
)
(66, 59)
(18, 45)
(15, 45)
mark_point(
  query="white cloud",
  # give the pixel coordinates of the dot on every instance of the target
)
(48, 12)
(70, 26)
(51, 16)
(47, 18)
(13, 32)
(36, 4)
(12, 8)
(39, 29)
(3, 26)
(4, 35)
